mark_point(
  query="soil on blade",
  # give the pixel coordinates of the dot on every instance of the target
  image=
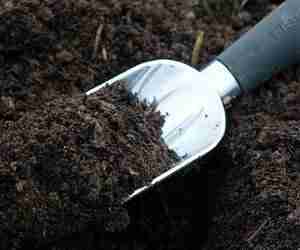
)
(73, 162)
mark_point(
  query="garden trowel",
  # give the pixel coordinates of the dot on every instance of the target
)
(193, 101)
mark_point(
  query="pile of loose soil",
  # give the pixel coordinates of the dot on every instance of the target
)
(73, 161)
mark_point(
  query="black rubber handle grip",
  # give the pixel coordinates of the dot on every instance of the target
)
(272, 45)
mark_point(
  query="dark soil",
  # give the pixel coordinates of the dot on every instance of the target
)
(73, 162)
(246, 194)
(258, 207)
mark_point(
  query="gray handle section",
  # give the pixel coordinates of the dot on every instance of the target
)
(272, 45)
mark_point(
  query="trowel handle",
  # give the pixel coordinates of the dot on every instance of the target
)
(272, 45)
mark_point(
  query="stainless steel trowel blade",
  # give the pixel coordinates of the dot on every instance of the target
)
(193, 109)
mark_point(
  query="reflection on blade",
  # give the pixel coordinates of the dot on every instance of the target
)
(180, 129)
(141, 83)
(135, 78)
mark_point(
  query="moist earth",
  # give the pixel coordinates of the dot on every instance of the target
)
(73, 162)
(245, 194)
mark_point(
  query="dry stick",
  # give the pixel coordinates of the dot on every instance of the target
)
(104, 54)
(163, 203)
(294, 216)
(97, 40)
(243, 4)
(207, 7)
(197, 47)
(254, 235)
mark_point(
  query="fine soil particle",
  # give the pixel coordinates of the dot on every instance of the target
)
(73, 161)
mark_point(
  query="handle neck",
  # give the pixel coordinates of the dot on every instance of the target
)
(221, 79)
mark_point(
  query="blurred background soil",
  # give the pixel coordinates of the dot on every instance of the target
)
(245, 194)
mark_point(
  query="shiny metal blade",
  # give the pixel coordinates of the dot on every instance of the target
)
(191, 103)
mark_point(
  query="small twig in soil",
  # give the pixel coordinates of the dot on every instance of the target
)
(97, 40)
(104, 54)
(294, 217)
(197, 47)
(164, 204)
(243, 4)
(256, 232)
(207, 7)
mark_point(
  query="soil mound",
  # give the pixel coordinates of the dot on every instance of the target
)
(73, 161)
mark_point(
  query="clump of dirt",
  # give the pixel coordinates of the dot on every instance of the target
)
(32, 57)
(72, 163)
